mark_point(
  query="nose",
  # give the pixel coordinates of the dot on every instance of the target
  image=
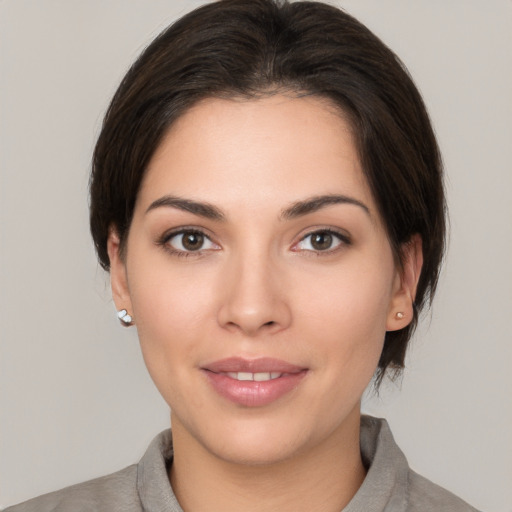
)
(254, 297)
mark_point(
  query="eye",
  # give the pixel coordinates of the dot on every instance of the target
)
(323, 240)
(190, 240)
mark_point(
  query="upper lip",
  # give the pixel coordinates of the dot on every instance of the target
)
(259, 365)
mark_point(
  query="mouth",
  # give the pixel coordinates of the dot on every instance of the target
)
(258, 377)
(253, 383)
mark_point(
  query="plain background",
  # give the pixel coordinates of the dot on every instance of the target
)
(76, 401)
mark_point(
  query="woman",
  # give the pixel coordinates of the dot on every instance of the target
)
(267, 196)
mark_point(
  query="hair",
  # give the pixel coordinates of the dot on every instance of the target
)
(252, 48)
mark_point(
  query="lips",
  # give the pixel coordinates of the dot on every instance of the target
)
(255, 382)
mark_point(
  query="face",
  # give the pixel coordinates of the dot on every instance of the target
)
(259, 276)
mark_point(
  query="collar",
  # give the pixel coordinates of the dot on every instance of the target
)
(383, 490)
(153, 486)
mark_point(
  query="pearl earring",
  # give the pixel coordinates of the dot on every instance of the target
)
(125, 318)
(400, 315)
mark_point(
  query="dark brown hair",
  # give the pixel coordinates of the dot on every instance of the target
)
(249, 48)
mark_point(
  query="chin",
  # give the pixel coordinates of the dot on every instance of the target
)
(260, 441)
(264, 451)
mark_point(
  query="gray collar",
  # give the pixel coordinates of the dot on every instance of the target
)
(155, 491)
(384, 488)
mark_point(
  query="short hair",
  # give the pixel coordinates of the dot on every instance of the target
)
(252, 48)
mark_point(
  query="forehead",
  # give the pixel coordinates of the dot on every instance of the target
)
(275, 148)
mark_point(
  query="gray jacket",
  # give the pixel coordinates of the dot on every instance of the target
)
(390, 485)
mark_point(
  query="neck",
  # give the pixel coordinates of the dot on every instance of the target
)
(324, 477)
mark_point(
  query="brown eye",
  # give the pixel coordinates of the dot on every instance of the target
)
(190, 241)
(322, 241)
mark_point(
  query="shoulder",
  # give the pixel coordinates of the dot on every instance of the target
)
(117, 491)
(390, 483)
(142, 486)
(426, 495)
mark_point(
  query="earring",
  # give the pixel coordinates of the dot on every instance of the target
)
(125, 318)
(400, 315)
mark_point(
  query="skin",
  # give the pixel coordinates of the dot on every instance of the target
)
(258, 287)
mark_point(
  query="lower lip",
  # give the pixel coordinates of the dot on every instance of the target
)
(250, 393)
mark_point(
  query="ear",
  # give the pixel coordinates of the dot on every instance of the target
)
(406, 282)
(118, 277)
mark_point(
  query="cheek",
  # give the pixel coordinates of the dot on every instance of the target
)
(347, 316)
(169, 306)
(173, 314)
(166, 295)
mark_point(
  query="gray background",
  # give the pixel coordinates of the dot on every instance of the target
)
(75, 398)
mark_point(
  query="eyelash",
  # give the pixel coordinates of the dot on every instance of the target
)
(165, 240)
(343, 240)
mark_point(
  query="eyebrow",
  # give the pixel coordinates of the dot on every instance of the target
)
(197, 208)
(313, 204)
(298, 209)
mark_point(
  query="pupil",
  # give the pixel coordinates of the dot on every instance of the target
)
(321, 241)
(192, 241)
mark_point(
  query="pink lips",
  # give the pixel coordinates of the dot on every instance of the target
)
(273, 379)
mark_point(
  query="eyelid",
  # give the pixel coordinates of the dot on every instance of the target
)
(165, 238)
(343, 237)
